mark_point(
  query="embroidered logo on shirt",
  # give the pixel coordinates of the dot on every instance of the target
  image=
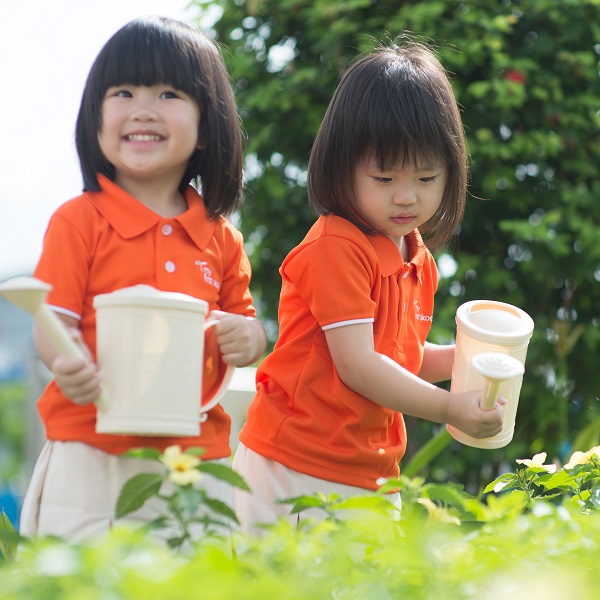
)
(419, 316)
(207, 273)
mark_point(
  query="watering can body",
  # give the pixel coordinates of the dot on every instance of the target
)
(486, 326)
(150, 349)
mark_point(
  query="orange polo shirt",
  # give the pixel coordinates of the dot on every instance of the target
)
(303, 416)
(102, 241)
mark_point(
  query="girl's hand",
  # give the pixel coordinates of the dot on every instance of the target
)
(77, 378)
(241, 340)
(465, 413)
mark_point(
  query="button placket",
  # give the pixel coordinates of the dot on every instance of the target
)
(166, 230)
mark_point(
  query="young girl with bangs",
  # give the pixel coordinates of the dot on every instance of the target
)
(387, 171)
(157, 115)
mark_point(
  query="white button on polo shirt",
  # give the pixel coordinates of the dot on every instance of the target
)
(167, 229)
(170, 266)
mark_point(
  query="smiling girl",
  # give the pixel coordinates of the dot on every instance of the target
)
(157, 115)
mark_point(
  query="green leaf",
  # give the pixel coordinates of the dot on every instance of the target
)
(221, 508)
(595, 497)
(9, 538)
(301, 503)
(375, 503)
(143, 453)
(560, 479)
(507, 478)
(195, 451)
(136, 491)
(445, 493)
(391, 485)
(176, 542)
(224, 473)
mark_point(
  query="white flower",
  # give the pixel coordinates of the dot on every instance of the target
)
(537, 461)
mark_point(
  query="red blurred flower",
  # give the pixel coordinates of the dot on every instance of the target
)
(516, 76)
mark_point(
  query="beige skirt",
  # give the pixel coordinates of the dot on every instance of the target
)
(271, 481)
(74, 488)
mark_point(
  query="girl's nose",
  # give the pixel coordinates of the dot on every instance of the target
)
(404, 194)
(144, 113)
(144, 109)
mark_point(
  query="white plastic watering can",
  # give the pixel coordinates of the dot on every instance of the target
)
(150, 348)
(491, 346)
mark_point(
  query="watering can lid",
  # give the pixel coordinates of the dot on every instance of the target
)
(146, 295)
(494, 322)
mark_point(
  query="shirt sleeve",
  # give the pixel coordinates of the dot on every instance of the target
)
(335, 277)
(64, 264)
(235, 293)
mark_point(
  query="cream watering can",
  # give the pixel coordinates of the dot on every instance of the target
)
(491, 346)
(150, 346)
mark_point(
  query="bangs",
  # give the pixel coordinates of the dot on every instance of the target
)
(147, 55)
(406, 125)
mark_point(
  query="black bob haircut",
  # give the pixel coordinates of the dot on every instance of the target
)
(394, 105)
(160, 50)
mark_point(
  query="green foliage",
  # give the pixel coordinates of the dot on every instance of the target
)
(12, 428)
(447, 544)
(578, 482)
(526, 76)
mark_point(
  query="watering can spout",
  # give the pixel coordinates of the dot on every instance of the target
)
(29, 294)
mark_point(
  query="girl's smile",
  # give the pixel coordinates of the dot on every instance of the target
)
(143, 137)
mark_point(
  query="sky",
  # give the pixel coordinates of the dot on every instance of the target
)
(46, 50)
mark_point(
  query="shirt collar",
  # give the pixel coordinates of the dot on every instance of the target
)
(390, 257)
(388, 254)
(130, 218)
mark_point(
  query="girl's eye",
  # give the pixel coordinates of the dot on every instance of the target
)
(428, 179)
(120, 93)
(167, 94)
(383, 179)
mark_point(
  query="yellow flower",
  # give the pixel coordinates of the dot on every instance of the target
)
(580, 458)
(537, 461)
(182, 466)
(577, 458)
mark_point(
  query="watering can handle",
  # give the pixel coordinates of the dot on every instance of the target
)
(222, 388)
(62, 340)
(495, 368)
(490, 394)
(58, 333)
